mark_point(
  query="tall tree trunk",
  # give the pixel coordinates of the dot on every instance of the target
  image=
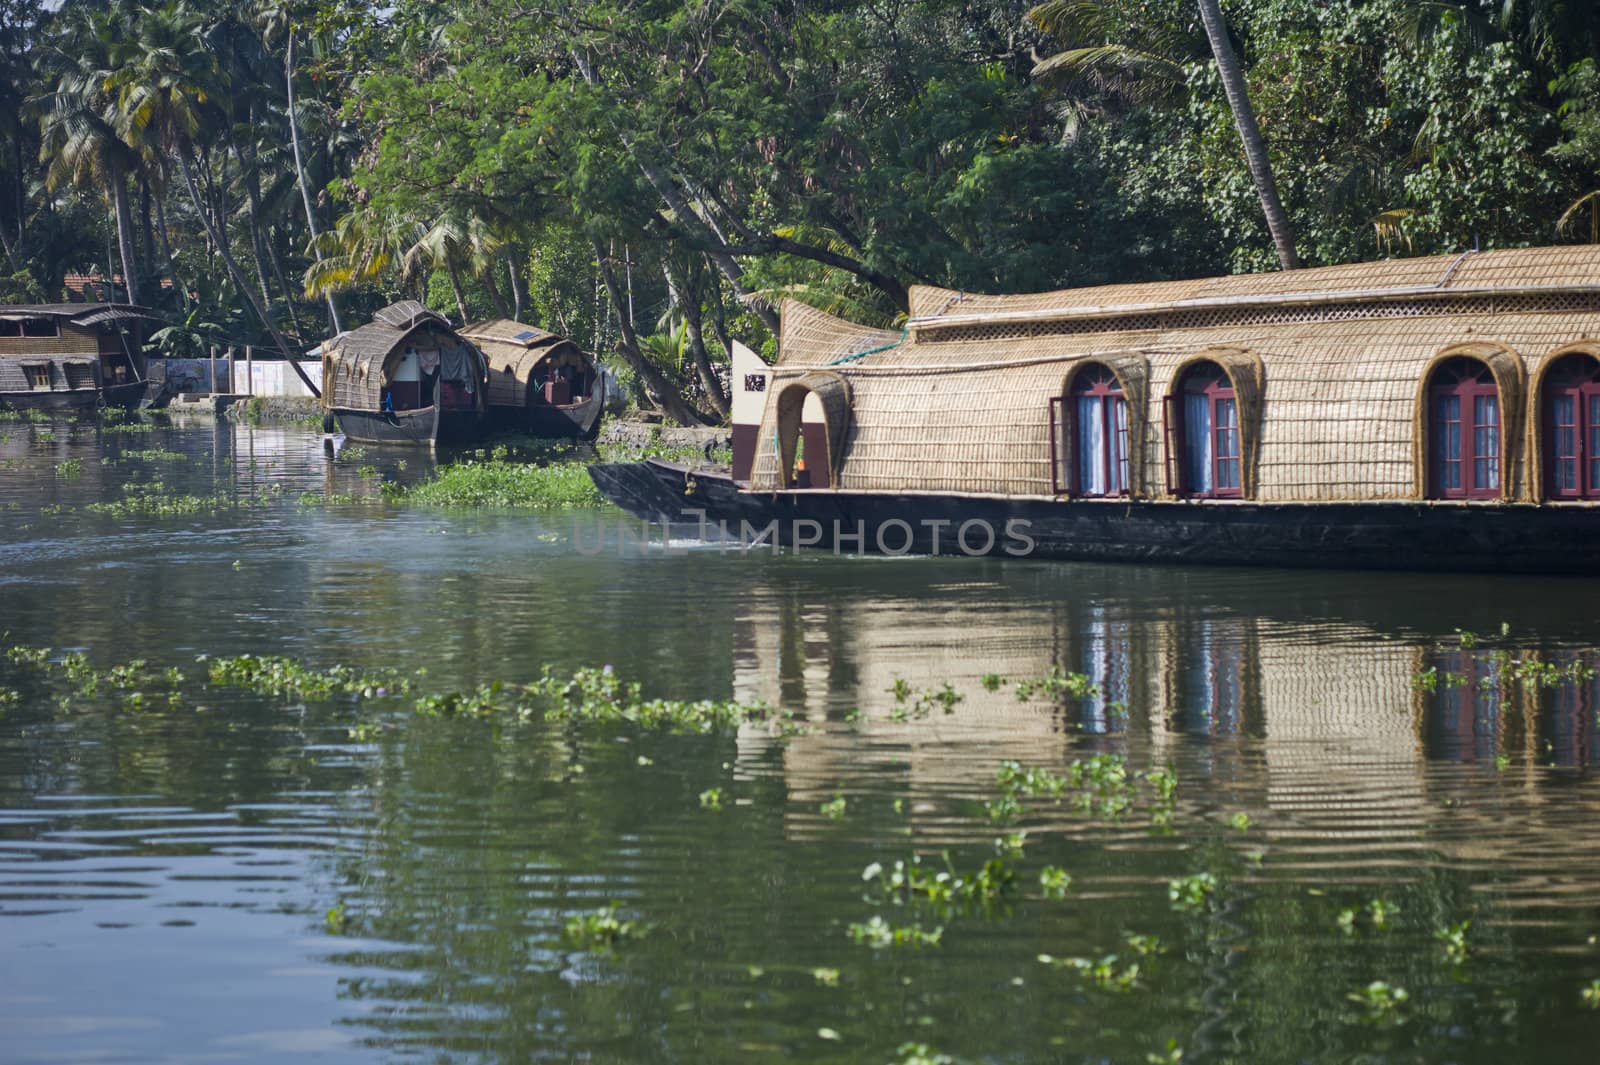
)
(258, 239)
(1255, 151)
(519, 288)
(11, 250)
(243, 283)
(719, 323)
(22, 198)
(499, 301)
(454, 273)
(300, 176)
(147, 243)
(283, 283)
(663, 391)
(684, 289)
(125, 238)
(668, 190)
(166, 239)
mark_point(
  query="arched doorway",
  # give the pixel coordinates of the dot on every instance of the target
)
(1203, 429)
(1098, 428)
(1570, 424)
(1464, 439)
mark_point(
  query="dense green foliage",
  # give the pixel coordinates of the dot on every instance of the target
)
(650, 177)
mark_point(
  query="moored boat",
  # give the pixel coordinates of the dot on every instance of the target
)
(72, 356)
(539, 383)
(405, 378)
(1439, 413)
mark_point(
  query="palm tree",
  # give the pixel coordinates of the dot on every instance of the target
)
(80, 126)
(364, 246)
(455, 242)
(1244, 117)
(163, 86)
(1147, 68)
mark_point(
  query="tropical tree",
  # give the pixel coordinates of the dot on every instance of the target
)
(1255, 150)
(81, 125)
(163, 84)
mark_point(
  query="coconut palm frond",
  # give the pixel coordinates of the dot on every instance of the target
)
(1390, 227)
(1114, 67)
(1567, 224)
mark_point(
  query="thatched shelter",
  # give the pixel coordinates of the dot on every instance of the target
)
(1470, 377)
(405, 377)
(539, 382)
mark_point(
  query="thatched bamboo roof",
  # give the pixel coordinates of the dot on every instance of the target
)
(1328, 365)
(512, 350)
(353, 362)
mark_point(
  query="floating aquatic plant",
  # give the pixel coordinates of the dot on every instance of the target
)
(281, 675)
(834, 809)
(1380, 1002)
(879, 934)
(1102, 972)
(509, 485)
(1192, 894)
(1453, 938)
(1056, 684)
(1054, 882)
(601, 928)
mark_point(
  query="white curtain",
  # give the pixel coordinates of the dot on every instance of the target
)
(1197, 465)
(1119, 446)
(1091, 447)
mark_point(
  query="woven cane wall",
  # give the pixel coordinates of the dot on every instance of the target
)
(512, 351)
(1337, 392)
(359, 358)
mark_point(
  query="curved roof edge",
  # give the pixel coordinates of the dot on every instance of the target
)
(80, 313)
(1564, 268)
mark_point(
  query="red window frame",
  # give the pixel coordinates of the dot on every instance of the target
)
(1097, 381)
(1575, 379)
(1465, 413)
(1227, 452)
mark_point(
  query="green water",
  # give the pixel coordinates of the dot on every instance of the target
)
(167, 872)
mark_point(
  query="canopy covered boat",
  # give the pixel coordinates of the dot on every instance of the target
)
(1435, 413)
(72, 356)
(539, 383)
(404, 378)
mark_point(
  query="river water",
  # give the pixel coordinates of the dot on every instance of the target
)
(236, 877)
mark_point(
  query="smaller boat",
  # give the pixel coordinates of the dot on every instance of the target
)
(72, 356)
(539, 383)
(404, 378)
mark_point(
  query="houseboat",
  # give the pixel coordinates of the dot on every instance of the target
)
(72, 356)
(404, 378)
(539, 383)
(1434, 413)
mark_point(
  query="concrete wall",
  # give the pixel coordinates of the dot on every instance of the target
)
(263, 377)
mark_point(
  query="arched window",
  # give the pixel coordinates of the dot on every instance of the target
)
(1572, 428)
(1464, 445)
(1099, 433)
(1203, 451)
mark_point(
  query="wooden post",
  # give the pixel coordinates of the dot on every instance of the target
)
(233, 366)
(213, 369)
(249, 370)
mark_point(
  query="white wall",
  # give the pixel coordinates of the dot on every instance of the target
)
(273, 378)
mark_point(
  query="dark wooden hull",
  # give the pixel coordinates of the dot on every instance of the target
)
(568, 420)
(72, 399)
(411, 428)
(1494, 538)
(126, 396)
